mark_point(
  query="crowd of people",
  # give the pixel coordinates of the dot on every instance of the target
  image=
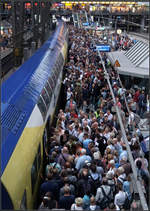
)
(88, 166)
(5, 34)
(122, 42)
(4, 41)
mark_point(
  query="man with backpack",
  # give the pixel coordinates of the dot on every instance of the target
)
(95, 178)
(122, 200)
(104, 194)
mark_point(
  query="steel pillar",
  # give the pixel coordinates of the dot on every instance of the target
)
(128, 23)
(18, 28)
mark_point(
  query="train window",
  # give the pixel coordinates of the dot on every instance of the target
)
(34, 174)
(51, 82)
(23, 205)
(46, 97)
(55, 68)
(58, 62)
(39, 156)
(55, 71)
(54, 77)
(61, 59)
(42, 107)
(48, 88)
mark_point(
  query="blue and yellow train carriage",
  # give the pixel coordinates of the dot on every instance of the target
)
(29, 98)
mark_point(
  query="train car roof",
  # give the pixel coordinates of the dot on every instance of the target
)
(21, 91)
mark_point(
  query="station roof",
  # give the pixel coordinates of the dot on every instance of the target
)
(134, 62)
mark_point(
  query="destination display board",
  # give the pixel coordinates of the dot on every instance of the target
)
(103, 48)
(85, 24)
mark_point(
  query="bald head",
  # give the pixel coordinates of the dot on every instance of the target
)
(65, 150)
(83, 151)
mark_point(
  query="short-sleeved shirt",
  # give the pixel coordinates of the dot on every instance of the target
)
(65, 202)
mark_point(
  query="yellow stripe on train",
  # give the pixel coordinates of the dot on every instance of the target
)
(20, 165)
(64, 50)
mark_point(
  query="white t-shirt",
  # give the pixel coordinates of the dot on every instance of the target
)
(119, 199)
(131, 118)
(75, 207)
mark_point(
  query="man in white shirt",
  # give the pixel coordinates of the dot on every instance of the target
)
(107, 190)
(120, 198)
(80, 134)
(109, 115)
(85, 124)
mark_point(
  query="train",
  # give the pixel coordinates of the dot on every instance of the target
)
(29, 99)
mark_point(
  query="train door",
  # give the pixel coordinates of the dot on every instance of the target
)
(45, 141)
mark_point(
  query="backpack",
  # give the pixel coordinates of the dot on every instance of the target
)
(83, 187)
(87, 187)
(127, 203)
(106, 200)
(96, 182)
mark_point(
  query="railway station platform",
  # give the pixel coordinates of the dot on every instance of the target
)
(133, 62)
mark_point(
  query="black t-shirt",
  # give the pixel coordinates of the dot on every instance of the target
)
(65, 202)
(52, 204)
(50, 186)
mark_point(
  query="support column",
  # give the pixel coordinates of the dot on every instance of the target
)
(142, 25)
(35, 20)
(18, 30)
(128, 23)
(33, 47)
(26, 53)
(43, 20)
(50, 17)
(47, 13)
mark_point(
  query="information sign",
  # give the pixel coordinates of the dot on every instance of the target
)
(85, 24)
(117, 64)
(103, 48)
